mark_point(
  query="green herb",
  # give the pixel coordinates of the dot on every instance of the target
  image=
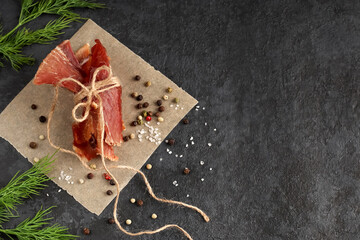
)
(34, 229)
(12, 43)
(22, 186)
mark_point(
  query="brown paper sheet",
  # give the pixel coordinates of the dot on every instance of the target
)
(19, 124)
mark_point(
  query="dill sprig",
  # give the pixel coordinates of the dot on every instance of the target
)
(22, 186)
(34, 229)
(12, 43)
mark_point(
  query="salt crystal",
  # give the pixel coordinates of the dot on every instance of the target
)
(170, 152)
(196, 109)
(47, 194)
(181, 156)
(186, 145)
(191, 138)
(214, 129)
(201, 162)
(171, 105)
(176, 108)
(176, 155)
(161, 159)
(167, 149)
(209, 144)
(158, 123)
(192, 143)
(182, 108)
(197, 106)
(176, 185)
(70, 168)
(206, 124)
(210, 169)
(202, 179)
(59, 190)
(187, 195)
(203, 108)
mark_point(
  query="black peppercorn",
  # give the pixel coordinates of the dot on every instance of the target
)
(126, 138)
(150, 113)
(157, 114)
(186, 171)
(139, 202)
(33, 106)
(86, 231)
(145, 104)
(161, 108)
(42, 119)
(140, 97)
(159, 102)
(186, 121)
(139, 106)
(137, 77)
(33, 145)
(109, 192)
(112, 182)
(90, 176)
(171, 141)
(111, 221)
(134, 123)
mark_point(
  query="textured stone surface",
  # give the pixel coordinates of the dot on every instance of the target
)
(279, 81)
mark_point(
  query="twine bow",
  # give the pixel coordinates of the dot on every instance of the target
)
(90, 93)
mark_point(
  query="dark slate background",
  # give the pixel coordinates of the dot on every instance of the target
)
(279, 80)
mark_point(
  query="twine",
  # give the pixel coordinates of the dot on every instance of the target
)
(89, 93)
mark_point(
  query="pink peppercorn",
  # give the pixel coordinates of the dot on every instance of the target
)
(148, 118)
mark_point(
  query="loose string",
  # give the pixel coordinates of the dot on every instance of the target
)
(88, 93)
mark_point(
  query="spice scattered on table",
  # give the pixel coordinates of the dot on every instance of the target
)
(92, 166)
(140, 97)
(81, 181)
(176, 100)
(139, 106)
(175, 183)
(159, 102)
(160, 119)
(36, 159)
(165, 97)
(148, 166)
(41, 137)
(134, 123)
(148, 118)
(107, 176)
(186, 171)
(186, 121)
(33, 145)
(202, 179)
(202, 163)
(132, 136)
(86, 231)
(148, 84)
(132, 200)
(33, 106)
(90, 176)
(210, 169)
(161, 109)
(42, 119)
(145, 105)
(171, 142)
(139, 202)
(137, 77)
(209, 144)
(134, 94)
(112, 182)
(153, 216)
(128, 222)
(66, 177)
(169, 90)
(111, 221)
(214, 129)
(126, 138)
(109, 192)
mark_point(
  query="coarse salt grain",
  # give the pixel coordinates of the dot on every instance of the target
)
(182, 108)
(170, 152)
(214, 129)
(209, 144)
(41, 137)
(186, 145)
(202, 179)
(187, 195)
(161, 159)
(192, 143)
(203, 108)
(47, 194)
(196, 109)
(59, 190)
(201, 162)
(36, 159)
(176, 155)
(81, 181)
(171, 105)
(206, 124)
(70, 168)
(191, 138)
(210, 169)
(181, 156)
(197, 106)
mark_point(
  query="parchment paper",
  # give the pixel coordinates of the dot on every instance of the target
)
(20, 125)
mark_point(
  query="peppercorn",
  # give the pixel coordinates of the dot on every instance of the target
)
(186, 121)
(139, 98)
(33, 106)
(126, 138)
(140, 122)
(160, 119)
(165, 97)
(148, 84)
(176, 100)
(134, 123)
(41, 137)
(186, 171)
(137, 77)
(169, 90)
(159, 102)
(171, 141)
(145, 104)
(139, 106)
(86, 231)
(132, 136)
(148, 166)
(139, 202)
(42, 119)
(128, 222)
(106, 176)
(134, 94)
(153, 216)
(132, 200)
(144, 113)
(33, 145)
(112, 182)
(93, 166)
(111, 221)
(90, 176)
(161, 108)
(148, 118)
(157, 114)
(150, 113)
(109, 192)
